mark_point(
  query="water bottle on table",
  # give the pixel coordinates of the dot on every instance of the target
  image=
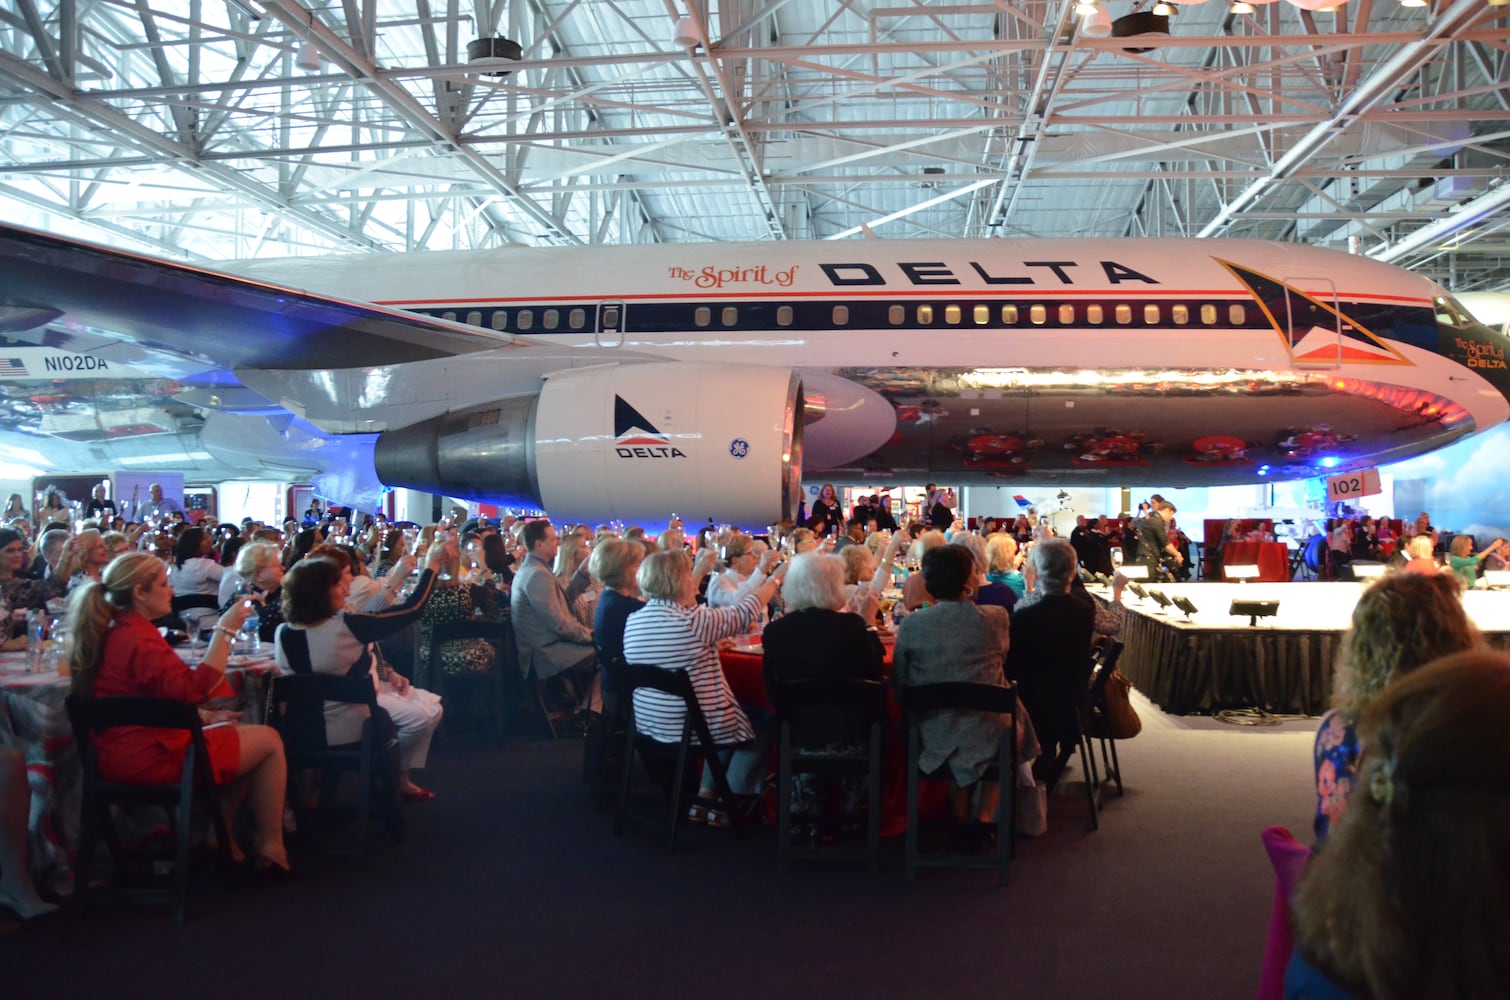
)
(36, 638)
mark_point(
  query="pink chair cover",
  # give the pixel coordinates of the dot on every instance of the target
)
(1289, 857)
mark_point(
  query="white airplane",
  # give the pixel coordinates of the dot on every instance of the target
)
(709, 379)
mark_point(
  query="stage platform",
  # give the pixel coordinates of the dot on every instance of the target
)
(1213, 660)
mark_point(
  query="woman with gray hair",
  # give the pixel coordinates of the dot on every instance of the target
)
(914, 590)
(817, 638)
(746, 570)
(673, 632)
(258, 573)
(1050, 655)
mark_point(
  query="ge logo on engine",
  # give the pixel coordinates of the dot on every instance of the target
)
(739, 447)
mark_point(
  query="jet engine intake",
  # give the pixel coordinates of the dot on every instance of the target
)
(621, 442)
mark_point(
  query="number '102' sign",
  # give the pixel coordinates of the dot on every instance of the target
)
(1352, 485)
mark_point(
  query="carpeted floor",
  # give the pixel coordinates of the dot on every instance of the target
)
(510, 885)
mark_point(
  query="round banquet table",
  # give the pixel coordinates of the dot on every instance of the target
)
(33, 719)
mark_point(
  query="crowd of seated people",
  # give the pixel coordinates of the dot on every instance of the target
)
(325, 617)
(973, 605)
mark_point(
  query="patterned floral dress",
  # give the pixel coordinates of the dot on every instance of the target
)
(451, 604)
(1336, 759)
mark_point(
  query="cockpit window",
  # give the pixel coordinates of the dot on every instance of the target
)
(1451, 312)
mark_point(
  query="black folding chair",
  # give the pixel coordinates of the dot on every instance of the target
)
(298, 713)
(500, 635)
(921, 701)
(90, 716)
(603, 761)
(819, 721)
(696, 740)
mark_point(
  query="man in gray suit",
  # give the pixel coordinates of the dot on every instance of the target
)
(550, 639)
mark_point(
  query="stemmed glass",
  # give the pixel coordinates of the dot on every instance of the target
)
(442, 536)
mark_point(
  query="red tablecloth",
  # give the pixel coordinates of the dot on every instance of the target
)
(1271, 558)
(744, 672)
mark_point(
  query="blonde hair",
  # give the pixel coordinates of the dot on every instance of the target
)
(926, 543)
(1420, 547)
(76, 553)
(613, 559)
(857, 560)
(1401, 622)
(116, 542)
(96, 604)
(571, 555)
(661, 574)
(1001, 552)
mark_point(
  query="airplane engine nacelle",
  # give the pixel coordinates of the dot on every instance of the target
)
(628, 442)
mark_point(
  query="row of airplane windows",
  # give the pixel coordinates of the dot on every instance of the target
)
(924, 314)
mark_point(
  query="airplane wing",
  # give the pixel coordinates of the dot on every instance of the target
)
(111, 360)
(90, 297)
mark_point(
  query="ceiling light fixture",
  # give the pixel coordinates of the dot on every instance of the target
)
(494, 56)
(1242, 7)
(687, 35)
(1085, 8)
(1412, 3)
(1163, 9)
(308, 58)
(1097, 24)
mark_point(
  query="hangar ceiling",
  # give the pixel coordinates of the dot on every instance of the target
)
(216, 129)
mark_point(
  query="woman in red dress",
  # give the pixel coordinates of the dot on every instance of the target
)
(117, 651)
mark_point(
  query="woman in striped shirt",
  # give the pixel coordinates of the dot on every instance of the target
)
(674, 632)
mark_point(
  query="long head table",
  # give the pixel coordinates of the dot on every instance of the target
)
(1213, 660)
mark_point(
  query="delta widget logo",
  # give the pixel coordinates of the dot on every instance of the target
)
(636, 437)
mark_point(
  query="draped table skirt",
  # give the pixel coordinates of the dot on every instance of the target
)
(34, 720)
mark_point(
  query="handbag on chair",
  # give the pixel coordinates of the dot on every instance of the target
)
(1115, 717)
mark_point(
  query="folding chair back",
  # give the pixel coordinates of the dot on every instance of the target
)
(696, 739)
(90, 716)
(298, 714)
(921, 701)
(818, 718)
(505, 669)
